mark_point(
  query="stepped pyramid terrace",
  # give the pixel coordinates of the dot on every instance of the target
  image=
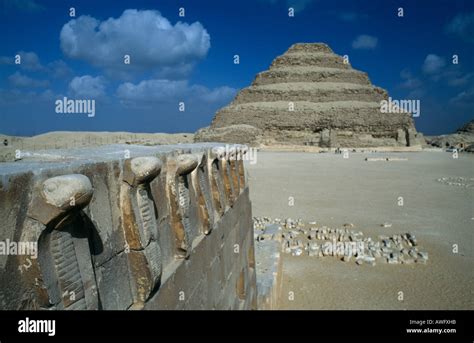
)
(311, 96)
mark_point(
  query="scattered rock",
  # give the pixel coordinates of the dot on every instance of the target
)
(297, 252)
(423, 255)
(392, 261)
(296, 238)
(457, 181)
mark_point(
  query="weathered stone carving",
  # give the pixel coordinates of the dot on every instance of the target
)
(201, 186)
(225, 169)
(223, 166)
(178, 180)
(236, 156)
(114, 246)
(242, 150)
(63, 275)
(216, 182)
(140, 226)
(233, 173)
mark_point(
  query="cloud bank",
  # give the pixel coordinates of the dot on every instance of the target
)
(152, 42)
(87, 87)
(169, 91)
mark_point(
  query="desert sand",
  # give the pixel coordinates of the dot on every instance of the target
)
(333, 191)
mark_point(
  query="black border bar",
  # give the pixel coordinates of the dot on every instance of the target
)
(242, 323)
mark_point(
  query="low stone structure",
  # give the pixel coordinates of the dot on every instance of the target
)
(269, 265)
(126, 227)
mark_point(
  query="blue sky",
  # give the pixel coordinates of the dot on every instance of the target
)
(190, 58)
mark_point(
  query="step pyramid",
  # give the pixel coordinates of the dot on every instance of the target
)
(311, 96)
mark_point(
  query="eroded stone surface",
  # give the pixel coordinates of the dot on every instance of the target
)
(140, 227)
(311, 96)
(59, 191)
(62, 275)
(105, 242)
(186, 163)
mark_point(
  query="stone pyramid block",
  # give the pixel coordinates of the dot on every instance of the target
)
(309, 93)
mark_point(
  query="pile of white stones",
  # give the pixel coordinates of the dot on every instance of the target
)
(298, 238)
(457, 181)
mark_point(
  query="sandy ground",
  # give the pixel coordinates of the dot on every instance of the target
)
(333, 191)
(316, 149)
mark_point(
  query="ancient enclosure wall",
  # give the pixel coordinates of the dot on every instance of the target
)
(127, 227)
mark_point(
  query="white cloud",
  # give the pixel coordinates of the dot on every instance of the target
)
(365, 42)
(22, 81)
(152, 42)
(87, 87)
(433, 64)
(169, 91)
(28, 61)
(31, 62)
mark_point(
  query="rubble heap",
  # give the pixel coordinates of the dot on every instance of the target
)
(298, 238)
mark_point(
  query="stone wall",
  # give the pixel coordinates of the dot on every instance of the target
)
(127, 227)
